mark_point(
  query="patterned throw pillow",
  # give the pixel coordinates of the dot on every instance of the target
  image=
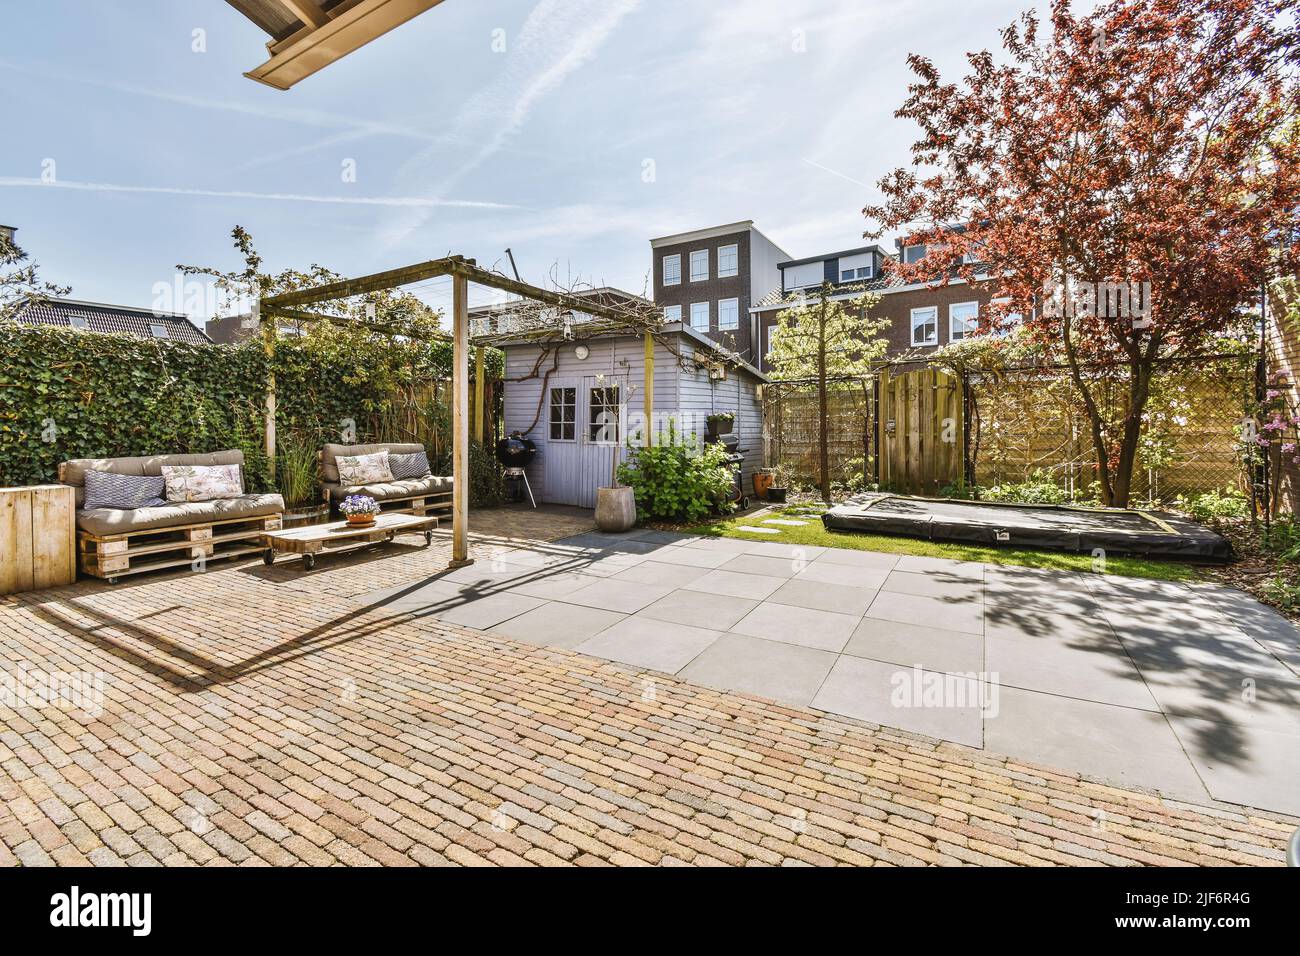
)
(124, 492)
(363, 469)
(414, 465)
(202, 482)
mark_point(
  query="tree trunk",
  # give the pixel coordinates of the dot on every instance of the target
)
(823, 428)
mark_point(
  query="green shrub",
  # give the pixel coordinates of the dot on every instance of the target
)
(676, 482)
(1038, 489)
(296, 471)
(1214, 506)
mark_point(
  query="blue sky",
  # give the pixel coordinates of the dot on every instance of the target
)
(780, 111)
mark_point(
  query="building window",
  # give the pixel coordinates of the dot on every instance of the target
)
(700, 316)
(803, 276)
(963, 320)
(851, 275)
(728, 313)
(158, 331)
(602, 426)
(925, 326)
(78, 322)
(672, 313)
(564, 414)
(913, 254)
(673, 270)
(699, 265)
(728, 260)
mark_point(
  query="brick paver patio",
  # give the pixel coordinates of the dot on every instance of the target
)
(261, 715)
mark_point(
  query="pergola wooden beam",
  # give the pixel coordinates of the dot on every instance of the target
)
(326, 35)
(463, 271)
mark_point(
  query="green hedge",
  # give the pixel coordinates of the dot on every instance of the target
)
(72, 394)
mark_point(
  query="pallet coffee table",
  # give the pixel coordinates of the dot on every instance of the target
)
(339, 535)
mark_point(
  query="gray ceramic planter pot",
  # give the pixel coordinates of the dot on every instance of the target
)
(615, 509)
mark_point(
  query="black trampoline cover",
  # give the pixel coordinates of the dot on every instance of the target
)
(1059, 527)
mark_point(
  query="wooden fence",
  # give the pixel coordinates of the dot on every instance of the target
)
(921, 432)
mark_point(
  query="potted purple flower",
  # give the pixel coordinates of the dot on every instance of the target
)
(359, 509)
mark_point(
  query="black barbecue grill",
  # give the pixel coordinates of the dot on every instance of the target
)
(514, 453)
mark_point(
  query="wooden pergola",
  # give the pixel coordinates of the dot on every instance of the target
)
(548, 321)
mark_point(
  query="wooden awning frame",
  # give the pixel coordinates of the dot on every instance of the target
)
(646, 321)
(325, 34)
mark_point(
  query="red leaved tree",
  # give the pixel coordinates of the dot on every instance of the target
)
(1126, 182)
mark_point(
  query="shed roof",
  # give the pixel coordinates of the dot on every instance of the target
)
(696, 338)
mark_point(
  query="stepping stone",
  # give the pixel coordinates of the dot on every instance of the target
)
(785, 521)
(754, 530)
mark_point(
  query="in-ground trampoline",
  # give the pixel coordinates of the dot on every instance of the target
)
(1060, 527)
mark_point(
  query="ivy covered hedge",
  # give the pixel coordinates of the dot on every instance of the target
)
(73, 394)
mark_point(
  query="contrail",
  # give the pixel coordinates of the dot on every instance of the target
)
(411, 201)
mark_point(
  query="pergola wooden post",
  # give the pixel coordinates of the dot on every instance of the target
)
(460, 426)
(601, 318)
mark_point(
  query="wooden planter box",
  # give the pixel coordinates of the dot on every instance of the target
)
(38, 528)
(114, 556)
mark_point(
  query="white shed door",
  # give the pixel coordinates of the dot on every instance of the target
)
(581, 438)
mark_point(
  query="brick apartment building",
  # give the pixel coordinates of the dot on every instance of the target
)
(710, 278)
(921, 316)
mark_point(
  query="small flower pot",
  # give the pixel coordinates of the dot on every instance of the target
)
(361, 520)
(776, 495)
(615, 509)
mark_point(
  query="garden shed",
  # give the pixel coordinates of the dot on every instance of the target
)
(580, 400)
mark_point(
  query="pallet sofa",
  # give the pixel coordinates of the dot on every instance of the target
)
(430, 495)
(112, 542)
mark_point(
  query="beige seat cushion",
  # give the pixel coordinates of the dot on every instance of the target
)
(403, 488)
(104, 522)
(329, 454)
(74, 472)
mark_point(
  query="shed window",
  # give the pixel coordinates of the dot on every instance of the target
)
(564, 414)
(603, 425)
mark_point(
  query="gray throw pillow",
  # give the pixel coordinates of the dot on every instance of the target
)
(414, 465)
(124, 492)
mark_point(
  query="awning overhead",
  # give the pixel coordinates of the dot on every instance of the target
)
(309, 35)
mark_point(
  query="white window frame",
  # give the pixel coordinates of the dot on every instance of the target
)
(550, 404)
(934, 318)
(158, 331)
(677, 262)
(672, 313)
(699, 252)
(735, 260)
(707, 317)
(1010, 320)
(914, 245)
(953, 334)
(735, 306)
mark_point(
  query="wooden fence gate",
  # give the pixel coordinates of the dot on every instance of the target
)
(920, 432)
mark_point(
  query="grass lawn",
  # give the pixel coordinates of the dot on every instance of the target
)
(813, 533)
